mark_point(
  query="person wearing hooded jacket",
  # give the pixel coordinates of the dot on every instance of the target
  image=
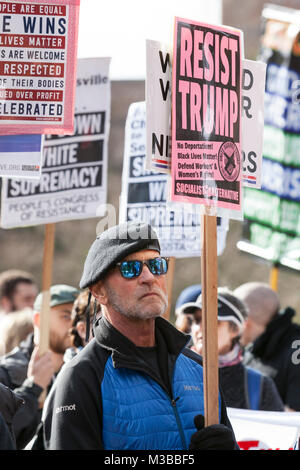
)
(272, 340)
(135, 385)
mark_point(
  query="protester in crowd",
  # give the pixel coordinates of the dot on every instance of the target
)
(273, 340)
(123, 391)
(10, 402)
(18, 290)
(185, 304)
(83, 309)
(6, 441)
(15, 327)
(29, 373)
(242, 387)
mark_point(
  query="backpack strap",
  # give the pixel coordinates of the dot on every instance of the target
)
(254, 383)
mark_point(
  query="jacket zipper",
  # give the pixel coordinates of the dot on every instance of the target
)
(177, 417)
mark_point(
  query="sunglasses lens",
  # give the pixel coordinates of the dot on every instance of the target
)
(158, 266)
(130, 269)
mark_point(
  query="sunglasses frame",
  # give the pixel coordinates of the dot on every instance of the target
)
(146, 262)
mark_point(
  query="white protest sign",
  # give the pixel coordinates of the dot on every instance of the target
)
(73, 183)
(158, 111)
(21, 155)
(265, 430)
(144, 194)
(253, 91)
(158, 106)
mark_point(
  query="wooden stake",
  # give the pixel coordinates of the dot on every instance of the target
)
(170, 279)
(46, 284)
(274, 277)
(209, 279)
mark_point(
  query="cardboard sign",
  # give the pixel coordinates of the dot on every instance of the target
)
(144, 197)
(206, 116)
(253, 91)
(73, 183)
(158, 106)
(38, 40)
(21, 156)
(158, 109)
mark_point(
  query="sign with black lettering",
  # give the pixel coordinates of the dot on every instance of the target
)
(144, 197)
(206, 117)
(158, 110)
(158, 106)
(38, 52)
(73, 183)
(253, 91)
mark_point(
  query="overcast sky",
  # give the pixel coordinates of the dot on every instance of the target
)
(119, 28)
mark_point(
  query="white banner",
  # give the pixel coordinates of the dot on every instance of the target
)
(158, 106)
(144, 195)
(265, 430)
(253, 91)
(73, 183)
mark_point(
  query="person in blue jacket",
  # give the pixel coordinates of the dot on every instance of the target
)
(135, 385)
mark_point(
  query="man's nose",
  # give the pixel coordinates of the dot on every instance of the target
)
(146, 275)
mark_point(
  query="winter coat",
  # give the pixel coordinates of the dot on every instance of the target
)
(13, 374)
(276, 354)
(9, 405)
(108, 397)
(234, 384)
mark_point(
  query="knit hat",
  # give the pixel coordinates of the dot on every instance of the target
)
(113, 245)
(59, 294)
(226, 311)
(187, 298)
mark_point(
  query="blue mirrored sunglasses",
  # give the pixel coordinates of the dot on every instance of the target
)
(133, 268)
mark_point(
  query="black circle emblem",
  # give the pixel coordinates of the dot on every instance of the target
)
(229, 161)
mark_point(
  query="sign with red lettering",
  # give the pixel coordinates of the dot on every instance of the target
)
(38, 51)
(206, 117)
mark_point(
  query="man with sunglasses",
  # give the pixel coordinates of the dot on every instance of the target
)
(135, 385)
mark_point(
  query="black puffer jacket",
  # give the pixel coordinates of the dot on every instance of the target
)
(276, 353)
(233, 381)
(13, 374)
(9, 405)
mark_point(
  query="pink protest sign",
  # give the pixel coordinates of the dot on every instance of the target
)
(38, 55)
(206, 115)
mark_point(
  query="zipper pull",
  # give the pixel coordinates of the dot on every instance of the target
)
(173, 401)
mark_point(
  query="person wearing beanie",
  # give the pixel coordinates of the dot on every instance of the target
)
(185, 305)
(28, 373)
(135, 385)
(242, 387)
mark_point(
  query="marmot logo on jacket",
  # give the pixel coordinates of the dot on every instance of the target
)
(60, 409)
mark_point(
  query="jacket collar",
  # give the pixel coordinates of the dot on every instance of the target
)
(125, 353)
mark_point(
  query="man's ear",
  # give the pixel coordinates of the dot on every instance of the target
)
(36, 319)
(99, 292)
(5, 304)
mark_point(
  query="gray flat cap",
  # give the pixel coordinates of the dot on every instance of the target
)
(113, 245)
